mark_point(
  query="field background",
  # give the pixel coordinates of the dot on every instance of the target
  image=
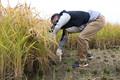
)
(28, 53)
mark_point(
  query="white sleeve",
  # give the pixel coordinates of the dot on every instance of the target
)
(62, 21)
(93, 15)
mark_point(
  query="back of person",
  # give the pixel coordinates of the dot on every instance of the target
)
(77, 19)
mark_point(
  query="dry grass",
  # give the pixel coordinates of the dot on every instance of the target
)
(21, 49)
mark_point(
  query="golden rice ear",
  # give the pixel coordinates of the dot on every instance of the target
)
(34, 33)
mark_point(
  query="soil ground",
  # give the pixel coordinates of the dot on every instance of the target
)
(104, 66)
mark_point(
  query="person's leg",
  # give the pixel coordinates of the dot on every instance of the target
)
(89, 32)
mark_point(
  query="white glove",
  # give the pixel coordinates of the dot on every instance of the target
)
(59, 54)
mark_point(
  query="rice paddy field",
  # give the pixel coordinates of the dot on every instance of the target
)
(27, 52)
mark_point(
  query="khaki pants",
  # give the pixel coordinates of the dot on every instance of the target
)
(89, 32)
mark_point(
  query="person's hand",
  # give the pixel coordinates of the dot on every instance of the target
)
(59, 54)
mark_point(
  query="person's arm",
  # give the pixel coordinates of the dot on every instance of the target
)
(63, 40)
(65, 17)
